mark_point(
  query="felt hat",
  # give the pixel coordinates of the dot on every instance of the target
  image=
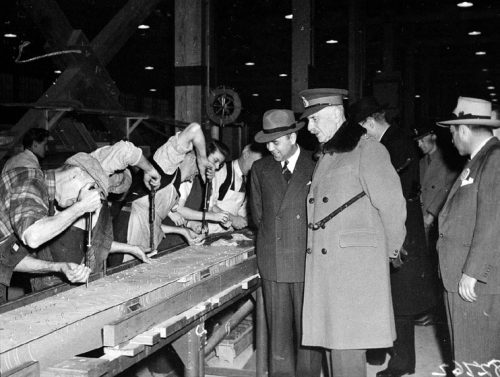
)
(317, 99)
(471, 111)
(277, 123)
(92, 167)
(363, 108)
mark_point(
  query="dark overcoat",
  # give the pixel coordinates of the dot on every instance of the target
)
(279, 211)
(414, 284)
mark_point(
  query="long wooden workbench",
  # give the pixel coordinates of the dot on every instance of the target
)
(148, 302)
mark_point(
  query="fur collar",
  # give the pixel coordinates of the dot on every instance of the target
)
(345, 139)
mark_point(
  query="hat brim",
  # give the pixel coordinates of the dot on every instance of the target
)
(423, 135)
(473, 122)
(261, 137)
(313, 109)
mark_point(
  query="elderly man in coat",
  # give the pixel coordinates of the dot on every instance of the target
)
(347, 296)
(469, 238)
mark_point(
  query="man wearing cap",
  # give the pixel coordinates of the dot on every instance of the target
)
(469, 238)
(26, 207)
(413, 285)
(347, 298)
(279, 186)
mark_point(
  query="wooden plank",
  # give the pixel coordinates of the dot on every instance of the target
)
(78, 367)
(125, 349)
(34, 332)
(230, 372)
(29, 369)
(143, 319)
(148, 338)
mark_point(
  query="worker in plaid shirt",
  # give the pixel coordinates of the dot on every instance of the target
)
(26, 221)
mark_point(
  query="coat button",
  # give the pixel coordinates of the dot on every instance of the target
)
(298, 216)
(325, 200)
(323, 251)
(441, 235)
(308, 250)
(311, 200)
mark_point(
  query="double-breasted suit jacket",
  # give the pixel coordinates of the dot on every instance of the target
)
(279, 211)
(469, 224)
(347, 294)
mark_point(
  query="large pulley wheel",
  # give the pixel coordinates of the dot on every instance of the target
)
(223, 106)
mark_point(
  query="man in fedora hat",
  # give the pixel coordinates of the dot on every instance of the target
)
(347, 299)
(469, 238)
(413, 285)
(279, 186)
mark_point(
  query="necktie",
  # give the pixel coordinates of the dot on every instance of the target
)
(243, 183)
(287, 174)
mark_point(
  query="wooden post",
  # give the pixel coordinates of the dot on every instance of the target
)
(190, 55)
(356, 49)
(301, 50)
(188, 348)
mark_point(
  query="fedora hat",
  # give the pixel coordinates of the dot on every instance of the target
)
(277, 123)
(317, 99)
(363, 108)
(471, 111)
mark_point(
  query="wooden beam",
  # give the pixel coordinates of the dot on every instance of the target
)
(301, 50)
(78, 367)
(28, 369)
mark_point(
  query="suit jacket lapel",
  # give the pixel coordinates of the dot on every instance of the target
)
(299, 178)
(273, 175)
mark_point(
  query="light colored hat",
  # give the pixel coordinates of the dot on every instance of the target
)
(317, 99)
(471, 111)
(92, 167)
(277, 123)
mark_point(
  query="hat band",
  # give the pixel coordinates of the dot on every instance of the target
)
(461, 115)
(279, 129)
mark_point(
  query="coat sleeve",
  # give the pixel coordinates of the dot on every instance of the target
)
(484, 251)
(255, 197)
(383, 188)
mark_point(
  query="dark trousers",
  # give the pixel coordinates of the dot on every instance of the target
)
(283, 306)
(474, 328)
(403, 350)
(347, 363)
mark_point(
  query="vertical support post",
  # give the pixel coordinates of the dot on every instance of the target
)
(357, 49)
(301, 50)
(261, 335)
(190, 348)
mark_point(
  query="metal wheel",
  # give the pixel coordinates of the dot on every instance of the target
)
(223, 106)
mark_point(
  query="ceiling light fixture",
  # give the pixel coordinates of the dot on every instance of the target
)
(480, 52)
(379, 71)
(332, 41)
(485, 70)
(149, 68)
(10, 35)
(490, 87)
(255, 94)
(283, 75)
(152, 90)
(417, 95)
(143, 27)
(474, 32)
(494, 100)
(278, 99)
(289, 16)
(249, 63)
(493, 94)
(465, 4)
(57, 72)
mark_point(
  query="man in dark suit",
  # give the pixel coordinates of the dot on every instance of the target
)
(279, 188)
(413, 285)
(469, 238)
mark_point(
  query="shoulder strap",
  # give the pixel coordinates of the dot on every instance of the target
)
(227, 182)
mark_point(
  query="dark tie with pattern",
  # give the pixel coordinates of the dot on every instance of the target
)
(287, 174)
(243, 186)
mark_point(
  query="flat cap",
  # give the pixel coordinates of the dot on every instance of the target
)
(92, 167)
(316, 99)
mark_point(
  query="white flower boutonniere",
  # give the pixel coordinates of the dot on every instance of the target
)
(464, 177)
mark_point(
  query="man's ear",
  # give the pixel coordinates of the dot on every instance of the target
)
(293, 137)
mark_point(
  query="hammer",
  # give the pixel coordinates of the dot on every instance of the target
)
(206, 200)
(89, 241)
(152, 218)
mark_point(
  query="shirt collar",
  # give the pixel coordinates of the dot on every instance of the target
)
(292, 161)
(479, 147)
(237, 169)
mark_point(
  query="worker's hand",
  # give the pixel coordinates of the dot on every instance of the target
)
(238, 222)
(466, 288)
(218, 217)
(195, 226)
(400, 259)
(152, 178)
(75, 273)
(140, 253)
(177, 218)
(206, 168)
(192, 238)
(428, 220)
(89, 199)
